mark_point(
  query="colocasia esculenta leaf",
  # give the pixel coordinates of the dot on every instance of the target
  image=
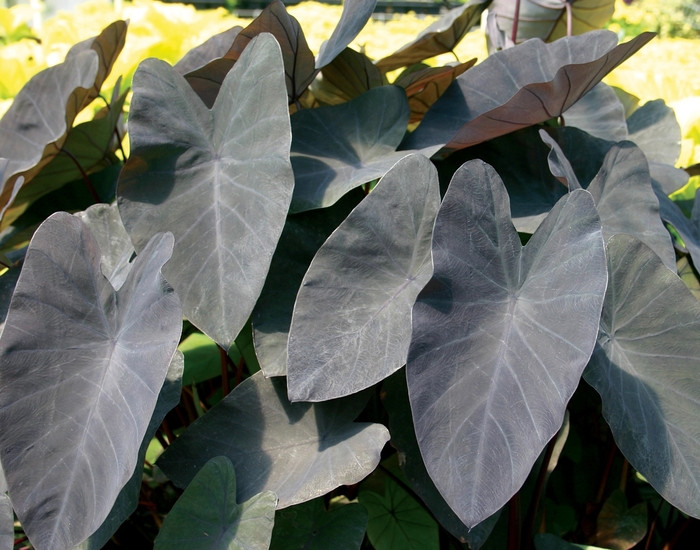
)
(81, 367)
(501, 335)
(220, 180)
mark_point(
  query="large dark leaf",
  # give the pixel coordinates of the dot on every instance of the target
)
(81, 369)
(7, 530)
(340, 147)
(645, 368)
(352, 319)
(403, 438)
(688, 229)
(128, 498)
(440, 37)
(301, 238)
(115, 246)
(298, 59)
(348, 76)
(520, 86)
(397, 521)
(624, 197)
(600, 113)
(655, 130)
(299, 451)
(488, 394)
(207, 516)
(355, 15)
(619, 527)
(547, 19)
(219, 180)
(310, 527)
(424, 87)
(217, 46)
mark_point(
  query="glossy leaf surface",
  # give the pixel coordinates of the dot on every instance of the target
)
(355, 15)
(310, 526)
(645, 367)
(219, 180)
(440, 37)
(351, 325)
(301, 238)
(520, 86)
(207, 516)
(70, 346)
(299, 451)
(488, 394)
(338, 148)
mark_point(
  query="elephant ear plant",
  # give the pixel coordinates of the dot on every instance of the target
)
(400, 294)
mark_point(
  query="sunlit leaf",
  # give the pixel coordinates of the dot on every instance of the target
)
(203, 358)
(351, 325)
(299, 451)
(348, 76)
(644, 367)
(219, 180)
(355, 15)
(600, 113)
(207, 516)
(655, 130)
(217, 46)
(70, 347)
(488, 394)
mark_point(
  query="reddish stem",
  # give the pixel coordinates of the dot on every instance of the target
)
(514, 523)
(87, 181)
(516, 17)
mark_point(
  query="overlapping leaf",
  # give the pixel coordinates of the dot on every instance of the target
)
(501, 335)
(548, 19)
(655, 130)
(301, 238)
(7, 530)
(645, 368)
(215, 47)
(298, 59)
(619, 527)
(299, 451)
(348, 76)
(600, 113)
(519, 87)
(440, 37)
(207, 516)
(81, 369)
(309, 526)
(351, 325)
(219, 180)
(340, 147)
(355, 15)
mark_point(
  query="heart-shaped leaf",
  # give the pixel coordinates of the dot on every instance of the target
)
(81, 369)
(549, 19)
(298, 59)
(301, 238)
(355, 15)
(488, 394)
(519, 87)
(398, 521)
(340, 147)
(645, 368)
(219, 180)
(116, 249)
(214, 48)
(309, 526)
(440, 37)
(619, 527)
(351, 325)
(600, 113)
(207, 516)
(299, 451)
(348, 76)
(128, 498)
(424, 87)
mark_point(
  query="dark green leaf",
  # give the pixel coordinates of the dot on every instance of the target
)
(70, 348)
(397, 521)
(207, 516)
(338, 148)
(310, 527)
(351, 325)
(488, 394)
(645, 368)
(203, 358)
(618, 527)
(301, 238)
(297, 450)
(440, 37)
(355, 15)
(518, 87)
(219, 180)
